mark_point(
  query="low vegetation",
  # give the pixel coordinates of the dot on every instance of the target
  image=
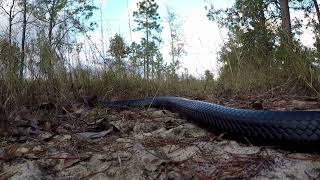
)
(52, 70)
(46, 63)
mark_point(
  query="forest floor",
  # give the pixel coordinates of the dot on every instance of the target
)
(81, 141)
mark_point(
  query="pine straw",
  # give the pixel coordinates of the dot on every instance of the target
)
(154, 142)
(210, 167)
(243, 166)
(237, 167)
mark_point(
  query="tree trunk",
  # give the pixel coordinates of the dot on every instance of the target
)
(172, 52)
(147, 50)
(23, 40)
(11, 21)
(264, 39)
(52, 15)
(316, 5)
(147, 63)
(286, 22)
(102, 37)
(317, 26)
(262, 17)
(10, 30)
(51, 21)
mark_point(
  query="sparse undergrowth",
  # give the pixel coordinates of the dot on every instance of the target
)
(78, 141)
(51, 128)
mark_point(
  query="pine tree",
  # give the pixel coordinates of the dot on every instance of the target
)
(147, 19)
(118, 50)
(177, 43)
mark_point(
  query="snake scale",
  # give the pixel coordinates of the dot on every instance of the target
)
(281, 128)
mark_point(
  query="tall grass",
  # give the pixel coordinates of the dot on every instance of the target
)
(48, 80)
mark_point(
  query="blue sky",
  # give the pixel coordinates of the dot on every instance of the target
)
(203, 37)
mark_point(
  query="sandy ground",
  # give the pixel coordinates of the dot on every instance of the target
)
(79, 142)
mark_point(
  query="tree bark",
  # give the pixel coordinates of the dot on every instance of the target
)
(51, 21)
(286, 21)
(172, 50)
(11, 16)
(263, 39)
(147, 49)
(23, 40)
(10, 28)
(316, 6)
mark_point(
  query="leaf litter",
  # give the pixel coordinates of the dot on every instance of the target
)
(82, 141)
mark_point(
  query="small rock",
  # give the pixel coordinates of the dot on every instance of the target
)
(37, 149)
(22, 150)
(159, 113)
(45, 136)
(65, 137)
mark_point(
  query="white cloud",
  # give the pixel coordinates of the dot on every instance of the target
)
(203, 37)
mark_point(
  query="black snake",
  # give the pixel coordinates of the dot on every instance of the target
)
(285, 128)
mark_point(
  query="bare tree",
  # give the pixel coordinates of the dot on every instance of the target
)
(102, 36)
(52, 14)
(11, 12)
(23, 37)
(176, 40)
(70, 16)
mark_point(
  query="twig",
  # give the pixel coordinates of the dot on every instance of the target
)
(277, 87)
(153, 98)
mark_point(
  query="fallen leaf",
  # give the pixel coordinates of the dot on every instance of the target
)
(94, 135)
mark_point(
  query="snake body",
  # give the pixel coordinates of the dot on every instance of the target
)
(285, 128)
